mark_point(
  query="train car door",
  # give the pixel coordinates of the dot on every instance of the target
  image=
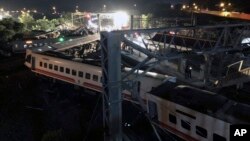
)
(152, 109)
(33, 63)
(135, 95)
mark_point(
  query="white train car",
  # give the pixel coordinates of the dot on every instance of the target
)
(84, 75)
(195, 114)
(64, 70)
(190, 113)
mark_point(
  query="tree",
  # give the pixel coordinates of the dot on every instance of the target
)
(55, 22)
(27, 20)
(45, 24)
(6, 35)
(146, 20)
(8, 29)
(67, 17)
(18, 27)
(8, 23)
(42, 24)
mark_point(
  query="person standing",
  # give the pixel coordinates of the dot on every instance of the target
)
(188, 72)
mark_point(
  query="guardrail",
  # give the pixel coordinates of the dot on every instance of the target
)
(235, 78)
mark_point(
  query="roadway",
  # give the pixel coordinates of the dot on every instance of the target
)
(76, 42)
(235, 15)
(60, 46)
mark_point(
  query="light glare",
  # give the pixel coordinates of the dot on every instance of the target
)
(120, 19)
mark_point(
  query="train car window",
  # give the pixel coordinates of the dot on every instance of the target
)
(218, 138)
(67, 70)
(80, 74)
(61, 69)
(41, 64)
(172, 118)
(74, 72)
(56, 68)
(201, 131)
(50, 66)
(185, 124)
(45, 65)
(95, 78)
(87, 76)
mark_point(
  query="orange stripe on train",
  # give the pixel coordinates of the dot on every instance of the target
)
(55, 75)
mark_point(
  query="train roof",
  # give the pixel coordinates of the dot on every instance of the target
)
(56, 54)
(61, 55)
(205, 102)
(95, 59)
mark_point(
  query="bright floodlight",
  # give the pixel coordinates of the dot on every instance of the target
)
(245, 41)
(222, 4)
(121, 19)
(1, 17)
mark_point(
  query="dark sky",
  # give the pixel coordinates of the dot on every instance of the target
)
(65, 5)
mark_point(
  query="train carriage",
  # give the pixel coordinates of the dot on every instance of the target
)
(188, 112)
(82, 74)
(195, 114)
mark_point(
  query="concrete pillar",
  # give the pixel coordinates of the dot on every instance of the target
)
(202, 72)
(182, 65)
(132, 22)
(207, 69)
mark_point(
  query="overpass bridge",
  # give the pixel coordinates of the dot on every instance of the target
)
(169, 50)
(155, 48)
(227, 14)
(61, 46)
(205, 41)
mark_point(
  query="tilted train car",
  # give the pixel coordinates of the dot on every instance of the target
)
(188, 112)
(195, 114)
(81, 74)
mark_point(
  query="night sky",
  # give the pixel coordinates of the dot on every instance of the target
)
(65, 5)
